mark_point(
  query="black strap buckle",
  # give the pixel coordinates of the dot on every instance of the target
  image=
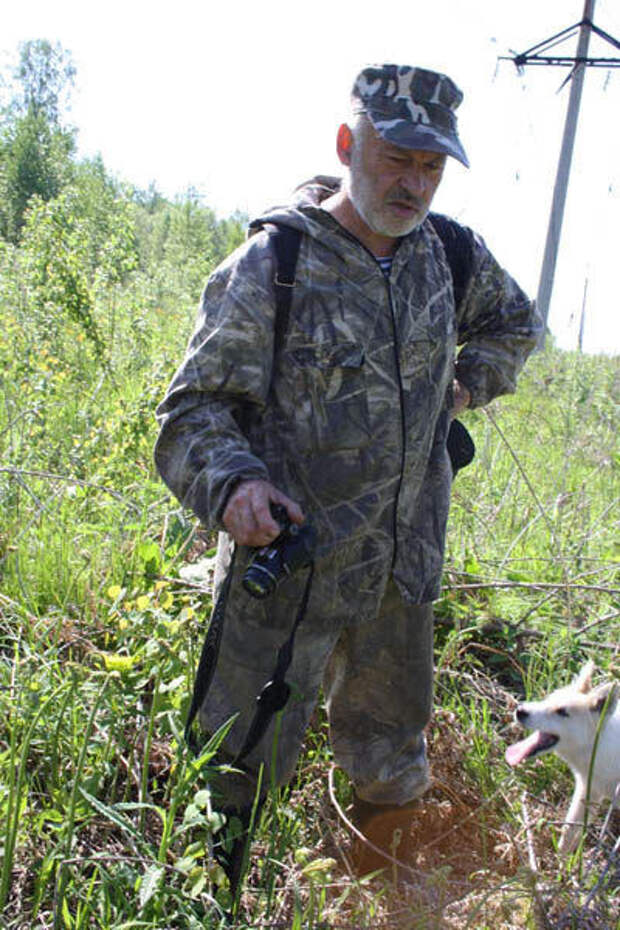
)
(273, 696)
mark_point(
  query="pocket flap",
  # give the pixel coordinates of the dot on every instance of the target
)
(328, 355)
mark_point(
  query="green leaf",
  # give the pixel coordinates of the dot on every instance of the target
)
(113, 814)
(202, 797)
(198, 886)
(186, 864)
(149, 885)
(150, 556)
(66, 916)
(472, 565)
(317, 866)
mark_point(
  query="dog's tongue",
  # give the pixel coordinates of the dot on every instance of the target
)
(524, 748)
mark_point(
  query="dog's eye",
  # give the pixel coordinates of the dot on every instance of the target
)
(562, 712)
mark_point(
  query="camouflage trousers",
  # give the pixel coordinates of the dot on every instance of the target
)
(377, 680)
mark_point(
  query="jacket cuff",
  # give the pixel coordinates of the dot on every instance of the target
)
(474, 385)
(229, 485)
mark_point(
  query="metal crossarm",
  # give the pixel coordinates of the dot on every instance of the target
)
(535, 56)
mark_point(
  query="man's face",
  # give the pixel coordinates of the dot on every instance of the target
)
(392, 188)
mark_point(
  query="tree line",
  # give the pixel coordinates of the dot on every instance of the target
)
(70, 232)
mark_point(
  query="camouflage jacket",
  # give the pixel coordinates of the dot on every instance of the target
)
(350, 415)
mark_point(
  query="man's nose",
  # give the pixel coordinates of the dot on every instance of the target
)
(414, 181)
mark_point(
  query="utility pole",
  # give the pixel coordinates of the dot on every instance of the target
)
(547, 274)
(578, 63)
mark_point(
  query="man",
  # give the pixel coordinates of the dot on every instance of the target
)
(343, 421)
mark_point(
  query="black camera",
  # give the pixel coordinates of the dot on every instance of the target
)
(292, 550)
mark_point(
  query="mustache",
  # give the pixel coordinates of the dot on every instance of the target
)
(404, 196)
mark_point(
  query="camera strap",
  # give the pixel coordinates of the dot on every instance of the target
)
(273, 696)
(276, 692)
(209, 654)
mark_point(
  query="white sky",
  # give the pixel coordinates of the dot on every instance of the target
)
(241, 100)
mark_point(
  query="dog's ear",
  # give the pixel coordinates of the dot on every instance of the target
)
(604, 694)
(583, 681)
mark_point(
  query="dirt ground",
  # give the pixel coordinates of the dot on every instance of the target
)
(471, 861)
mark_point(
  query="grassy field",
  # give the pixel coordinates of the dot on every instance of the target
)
(106, 821)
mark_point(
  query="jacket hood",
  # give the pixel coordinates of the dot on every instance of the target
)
(306, 214)
(304, 211)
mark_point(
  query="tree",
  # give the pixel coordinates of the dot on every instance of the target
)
(35, 160)
(45, 75)
(35, 150)
(74, 250)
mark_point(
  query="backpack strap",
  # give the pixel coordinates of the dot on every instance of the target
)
(285, 241)
(459, 249)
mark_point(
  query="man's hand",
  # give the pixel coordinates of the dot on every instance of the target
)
(247, 516)
(462, 398)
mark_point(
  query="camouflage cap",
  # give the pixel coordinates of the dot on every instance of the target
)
(411, 107)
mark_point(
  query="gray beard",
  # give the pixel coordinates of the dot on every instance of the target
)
(380, 225)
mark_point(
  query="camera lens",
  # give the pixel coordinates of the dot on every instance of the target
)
(292, 550)
(257, 581)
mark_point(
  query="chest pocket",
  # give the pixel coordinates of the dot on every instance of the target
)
(329, 402)
(426, 359)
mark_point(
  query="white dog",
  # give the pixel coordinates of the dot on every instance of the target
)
(567, 721)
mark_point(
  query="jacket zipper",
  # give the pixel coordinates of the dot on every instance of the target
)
(402, 423)
(400, 392)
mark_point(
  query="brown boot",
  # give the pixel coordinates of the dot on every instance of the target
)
(388, 828)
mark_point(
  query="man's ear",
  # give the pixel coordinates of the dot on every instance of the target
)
(344, 144)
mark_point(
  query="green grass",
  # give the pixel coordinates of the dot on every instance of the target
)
(107, 822)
